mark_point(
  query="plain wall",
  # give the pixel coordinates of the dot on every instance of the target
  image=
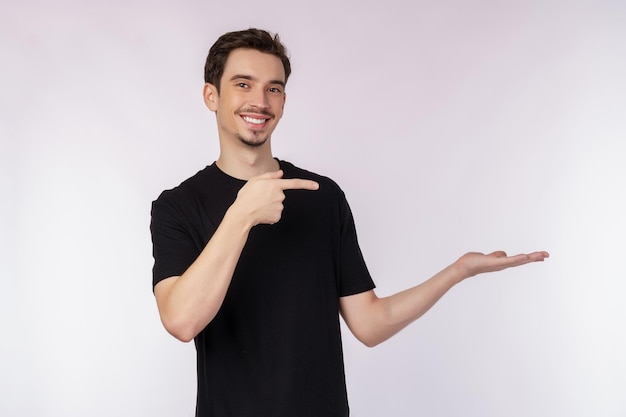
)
(452, 126)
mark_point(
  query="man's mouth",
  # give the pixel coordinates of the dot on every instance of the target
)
(254, 120)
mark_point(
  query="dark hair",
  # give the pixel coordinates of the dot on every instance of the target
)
(258, 39)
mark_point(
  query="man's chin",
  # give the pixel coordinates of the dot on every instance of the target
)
(254, 142)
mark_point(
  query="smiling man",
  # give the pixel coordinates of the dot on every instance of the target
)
(256, 259)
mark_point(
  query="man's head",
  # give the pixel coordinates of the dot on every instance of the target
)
(256, 39)
(245, 75)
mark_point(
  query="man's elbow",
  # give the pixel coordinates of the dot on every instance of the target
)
(369, 339)
(184, 337)
(179, 329)
(370, 343)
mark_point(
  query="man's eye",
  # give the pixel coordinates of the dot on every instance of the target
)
(275, 90)
(242, 85)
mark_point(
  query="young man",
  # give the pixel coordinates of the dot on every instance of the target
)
(255, 258)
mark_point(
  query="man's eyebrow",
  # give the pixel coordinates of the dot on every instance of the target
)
(242, 76)
(278, 82)
(251, 78)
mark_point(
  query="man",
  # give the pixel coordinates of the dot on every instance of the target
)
(255, 258)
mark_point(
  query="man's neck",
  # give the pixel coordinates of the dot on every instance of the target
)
(248, 164)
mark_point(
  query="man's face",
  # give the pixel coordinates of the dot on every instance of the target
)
(251, 98)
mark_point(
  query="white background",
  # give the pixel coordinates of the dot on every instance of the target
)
(452, 126)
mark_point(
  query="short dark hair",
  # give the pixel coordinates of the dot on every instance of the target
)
(252, 38)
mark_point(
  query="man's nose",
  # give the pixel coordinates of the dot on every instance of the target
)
(259, 98)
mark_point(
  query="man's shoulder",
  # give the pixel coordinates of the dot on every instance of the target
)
(189, 187)
(292, 171)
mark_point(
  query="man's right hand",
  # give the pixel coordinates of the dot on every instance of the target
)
(261, 199)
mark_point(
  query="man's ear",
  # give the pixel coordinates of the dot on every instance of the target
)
(210, 96)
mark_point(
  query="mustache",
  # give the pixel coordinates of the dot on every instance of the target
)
(264, 112)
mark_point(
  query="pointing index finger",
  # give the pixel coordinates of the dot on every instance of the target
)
(298, 184)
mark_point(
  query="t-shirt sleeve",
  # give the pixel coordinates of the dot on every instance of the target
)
(173, 247)
(354, 275)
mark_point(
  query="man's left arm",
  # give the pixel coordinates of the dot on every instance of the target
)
(373, 320)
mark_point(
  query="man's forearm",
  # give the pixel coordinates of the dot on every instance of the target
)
(401, 309)
(374, 320)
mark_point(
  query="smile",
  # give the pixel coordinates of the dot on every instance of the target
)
(254, 120)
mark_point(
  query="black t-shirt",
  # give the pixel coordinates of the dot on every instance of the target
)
(274, 348)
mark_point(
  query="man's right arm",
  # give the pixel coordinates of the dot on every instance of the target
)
(187, 303)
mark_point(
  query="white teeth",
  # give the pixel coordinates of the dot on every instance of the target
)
(253, 120)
